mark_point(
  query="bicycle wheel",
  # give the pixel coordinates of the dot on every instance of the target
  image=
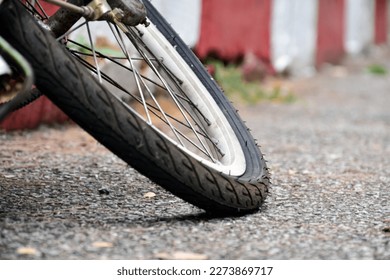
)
(151, 102)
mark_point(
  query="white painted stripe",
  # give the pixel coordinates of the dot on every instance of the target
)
(294, 35)
(360, 24)
(185, 17)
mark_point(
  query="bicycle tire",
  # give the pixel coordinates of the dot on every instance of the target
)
(128, 135)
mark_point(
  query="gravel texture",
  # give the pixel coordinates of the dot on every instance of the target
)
(63, 196)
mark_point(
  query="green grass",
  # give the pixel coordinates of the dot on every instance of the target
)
(229, 77)
(377, 69)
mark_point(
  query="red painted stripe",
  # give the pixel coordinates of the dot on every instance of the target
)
(231, 28)
(31, 116)
(331, 31)
(381, 21)
(49, 8)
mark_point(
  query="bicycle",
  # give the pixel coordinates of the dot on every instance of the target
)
(148, 99)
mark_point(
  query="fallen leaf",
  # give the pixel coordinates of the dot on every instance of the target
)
(102, 244)
(149, 195)
(26, 251)
(181, 256)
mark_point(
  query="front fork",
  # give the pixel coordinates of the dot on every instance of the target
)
(126, 12)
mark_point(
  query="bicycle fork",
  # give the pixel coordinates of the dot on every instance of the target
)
(127, 12)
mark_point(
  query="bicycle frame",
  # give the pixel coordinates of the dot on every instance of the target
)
(11, 56)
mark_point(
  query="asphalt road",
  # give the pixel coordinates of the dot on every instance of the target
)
(63, 196)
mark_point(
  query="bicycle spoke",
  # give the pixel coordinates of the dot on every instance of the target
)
(174, 130)
(175, 100)
(183, 97)
(42, 10)
(136, 75)
(94, 53)
(72, 30)
(115, 84)
(111, 59)
(153, 81)
(30, 6)
(139, 79)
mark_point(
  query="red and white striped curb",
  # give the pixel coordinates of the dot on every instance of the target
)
(291, 34)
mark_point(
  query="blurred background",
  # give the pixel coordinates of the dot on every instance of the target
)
(296, 36)
(245, 42)
(311, 80)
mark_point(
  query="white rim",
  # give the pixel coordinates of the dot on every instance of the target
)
(233, 162)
